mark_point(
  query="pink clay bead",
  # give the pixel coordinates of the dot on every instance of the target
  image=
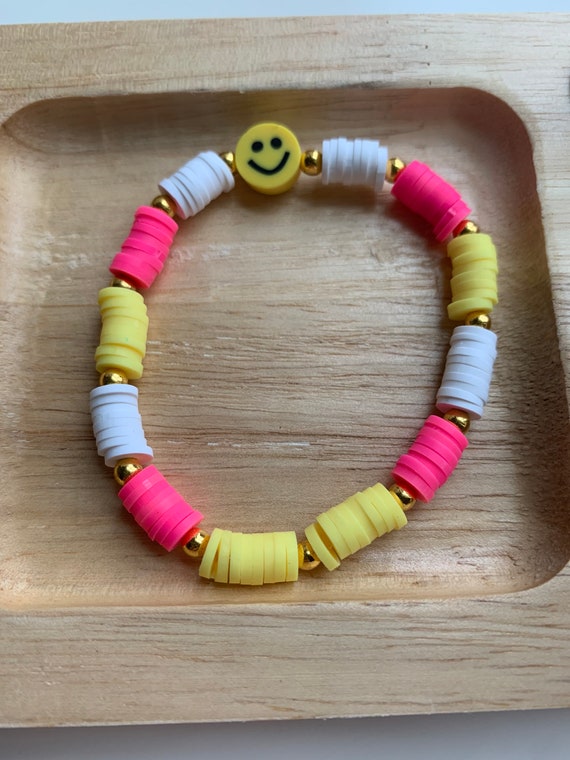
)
(144, 252)
(158, 508)
(431, 458)
(430, 196)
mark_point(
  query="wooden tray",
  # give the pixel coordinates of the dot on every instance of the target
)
(296, 345)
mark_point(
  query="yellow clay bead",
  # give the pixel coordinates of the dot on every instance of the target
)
(196, 546)
(257, 558)
(459, 418)
(404, 499)
(279, 574)
(125, 469)
(379, 498)
(479, 320)
(322, 546)
(112, 377)
(312, 162)
(250, 559)
(164, 203)
(269, 558)
(229, 158)
(236, 552)
(393, 168)
(342, 544)
(268, 158)
(474, 271)
(117, 282)
(206, 568)
(123, 332)
(308, 560)
(245, 560)
(222, 567)
(353, 524)
(292, 566)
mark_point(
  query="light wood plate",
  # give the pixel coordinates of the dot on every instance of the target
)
(296, 343)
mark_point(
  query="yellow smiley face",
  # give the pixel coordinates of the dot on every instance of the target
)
(268, 158)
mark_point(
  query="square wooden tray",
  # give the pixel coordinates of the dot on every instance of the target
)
(295, 348)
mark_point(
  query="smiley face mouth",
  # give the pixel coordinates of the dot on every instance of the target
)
(269, 172)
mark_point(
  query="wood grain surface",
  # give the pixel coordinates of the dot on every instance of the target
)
(296, 344)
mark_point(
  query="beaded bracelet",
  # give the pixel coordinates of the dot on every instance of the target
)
(269, 159)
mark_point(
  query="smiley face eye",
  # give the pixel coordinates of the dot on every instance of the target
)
(276, 142)
(257, 146)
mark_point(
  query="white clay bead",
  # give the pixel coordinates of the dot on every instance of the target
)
(354, 162)
(117, 424)
(468, 370)
(197, 183)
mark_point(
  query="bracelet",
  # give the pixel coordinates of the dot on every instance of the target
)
(268, 158)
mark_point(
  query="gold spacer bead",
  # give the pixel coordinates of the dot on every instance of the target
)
(125, 469)
(393, 168)
(117, 282)
(164, 203)
(196, 546)
(229, 158)
(112, 376)
(479, 320)
(468, 228)
(308, 560)
(459, 418)
(404, 499)
(312, 162)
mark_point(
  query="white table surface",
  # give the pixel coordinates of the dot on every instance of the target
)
(531, 735)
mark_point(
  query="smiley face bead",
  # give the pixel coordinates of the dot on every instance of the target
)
(268, 158)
